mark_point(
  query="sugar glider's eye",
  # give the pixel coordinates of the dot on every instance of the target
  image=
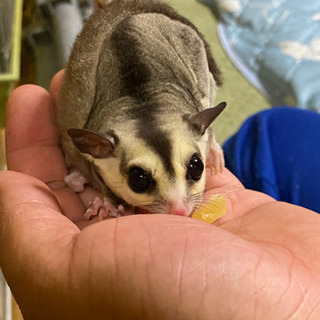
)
(195, 168)
(139, 180)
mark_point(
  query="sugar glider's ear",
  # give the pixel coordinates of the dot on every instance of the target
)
(202, 120)
(97, 145)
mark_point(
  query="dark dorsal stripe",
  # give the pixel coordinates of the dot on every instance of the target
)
(150, 6)
(135, 74)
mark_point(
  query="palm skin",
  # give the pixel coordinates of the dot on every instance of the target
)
(260, 261)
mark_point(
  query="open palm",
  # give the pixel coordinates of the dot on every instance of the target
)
(260, 261)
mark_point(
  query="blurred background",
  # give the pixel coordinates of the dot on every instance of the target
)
(36, 37)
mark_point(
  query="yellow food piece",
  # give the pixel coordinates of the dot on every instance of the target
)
(212, 210)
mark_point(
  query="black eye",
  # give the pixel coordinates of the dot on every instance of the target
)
(139, 180)
(195, 168)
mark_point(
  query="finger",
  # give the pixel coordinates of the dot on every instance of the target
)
(31, 226)
(239, 201)
(224, 181)
(37, 205)
(35, 239)
(56, 85)
(31, 136)
(33, 146)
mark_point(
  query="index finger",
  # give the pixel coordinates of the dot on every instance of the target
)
(31, 135)
(33, 142)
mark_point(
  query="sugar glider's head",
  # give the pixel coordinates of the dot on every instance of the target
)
(157, 169)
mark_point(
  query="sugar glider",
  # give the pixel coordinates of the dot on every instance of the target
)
(135, 109)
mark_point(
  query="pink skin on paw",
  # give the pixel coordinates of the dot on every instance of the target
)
(216, 159)
(99, 207)
(75, 181)
(107, 210)
(103, 209)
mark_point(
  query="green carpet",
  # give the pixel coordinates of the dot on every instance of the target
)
(242, 98)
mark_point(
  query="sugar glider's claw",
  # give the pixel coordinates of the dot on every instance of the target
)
(93, 209)
(102, 208)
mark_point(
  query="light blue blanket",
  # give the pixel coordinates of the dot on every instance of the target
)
(276, 44)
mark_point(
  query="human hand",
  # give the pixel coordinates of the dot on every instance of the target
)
(260, 261)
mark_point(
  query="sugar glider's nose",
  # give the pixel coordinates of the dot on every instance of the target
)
(179, 208)
(179, 212)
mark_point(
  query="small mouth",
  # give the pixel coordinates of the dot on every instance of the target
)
(183, 212)
(138, 210)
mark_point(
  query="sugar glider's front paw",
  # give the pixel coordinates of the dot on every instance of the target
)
(102, 208)
(216, 159)
(75, 181)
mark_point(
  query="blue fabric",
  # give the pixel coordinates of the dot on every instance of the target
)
(277, 152)
(276, 44)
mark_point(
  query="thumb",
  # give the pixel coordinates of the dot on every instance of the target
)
(30, 221)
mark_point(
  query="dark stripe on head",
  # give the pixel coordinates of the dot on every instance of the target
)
(135, 75)
(159, 142)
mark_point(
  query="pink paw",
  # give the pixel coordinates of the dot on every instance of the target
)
(75, 181)
(102, 209)
(216, 159)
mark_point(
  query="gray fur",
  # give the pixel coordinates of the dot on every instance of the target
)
(135, 63)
